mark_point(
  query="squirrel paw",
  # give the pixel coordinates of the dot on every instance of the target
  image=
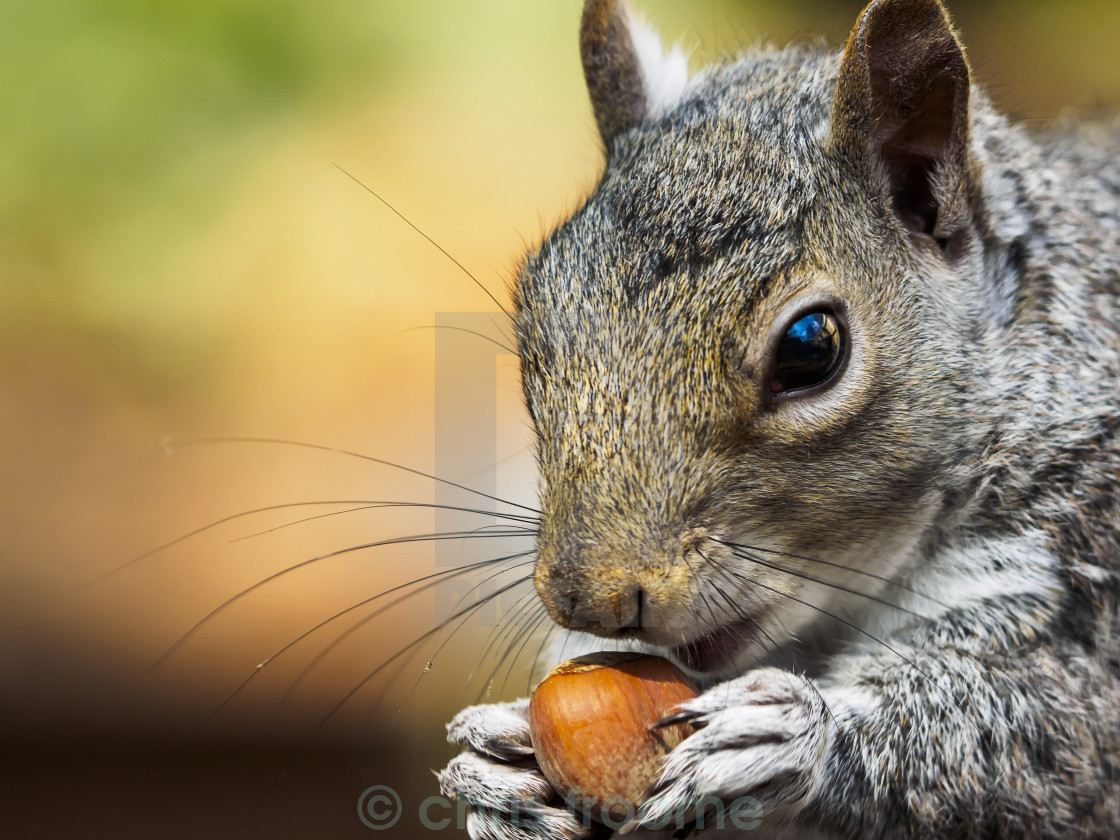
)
(764, 735)
(498, 777)
(499, 730)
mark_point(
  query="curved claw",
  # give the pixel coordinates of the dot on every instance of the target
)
(683, 716)
(506, 748)
(531, 808)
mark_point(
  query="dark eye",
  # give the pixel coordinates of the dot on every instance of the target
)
(808, 354)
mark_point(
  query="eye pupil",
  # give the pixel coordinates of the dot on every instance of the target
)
(808, 354)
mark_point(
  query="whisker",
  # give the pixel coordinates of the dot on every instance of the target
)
(336, 451)
(378, 505)
(483, 336)
(862, 572)
(216, 523)
(363, 504)
(541, 617)
(524, 607)
(739, 610)
(736, 609)
(777, 648)
(567, 638)
(431, 661)
(371, 675)
(540, 650)
(858, 629)
(321, 655)
(466, 611)
(501, 629)
(431, 241)
(745, 554)
(365, 619)
(454, 535)
(428, 581)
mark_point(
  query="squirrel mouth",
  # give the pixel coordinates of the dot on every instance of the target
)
(717, 650)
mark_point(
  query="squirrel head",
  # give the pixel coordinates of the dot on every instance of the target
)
(743, 354)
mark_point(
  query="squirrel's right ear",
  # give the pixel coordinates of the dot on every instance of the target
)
(628, 75)
(901, 101)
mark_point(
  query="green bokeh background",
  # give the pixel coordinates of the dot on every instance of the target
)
(180, 255)
(127, 124)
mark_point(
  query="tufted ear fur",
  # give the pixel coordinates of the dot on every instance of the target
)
(628, 75)
(901, 101)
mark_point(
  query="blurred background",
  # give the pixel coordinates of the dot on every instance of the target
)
(186, 252)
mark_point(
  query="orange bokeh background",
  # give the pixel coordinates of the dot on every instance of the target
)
(243, 284)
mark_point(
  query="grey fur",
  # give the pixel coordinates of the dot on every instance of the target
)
(500, 730)
(955, 494)
(766, 733)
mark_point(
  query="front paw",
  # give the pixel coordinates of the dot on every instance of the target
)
(498, 777)
(759, 750)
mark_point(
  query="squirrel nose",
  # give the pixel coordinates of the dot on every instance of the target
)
(610, 613)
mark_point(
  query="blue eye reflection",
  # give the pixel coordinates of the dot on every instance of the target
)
(808, 328)
(808, 354)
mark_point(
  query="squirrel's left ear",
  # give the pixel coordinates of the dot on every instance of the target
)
(628, 75)
(901, 102)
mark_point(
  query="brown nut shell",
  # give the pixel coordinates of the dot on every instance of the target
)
(590, 721)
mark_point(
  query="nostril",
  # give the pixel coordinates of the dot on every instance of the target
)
(628, 607)
(565, 611)
(610, 614)
(611, 603)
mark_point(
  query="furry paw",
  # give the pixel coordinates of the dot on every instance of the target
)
(759, 751)
(500, 730)
(497, 775)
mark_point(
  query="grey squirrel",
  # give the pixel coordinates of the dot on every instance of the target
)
(825, 375)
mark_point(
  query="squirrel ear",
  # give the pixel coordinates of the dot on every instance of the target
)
(902, 100)
(628, 75)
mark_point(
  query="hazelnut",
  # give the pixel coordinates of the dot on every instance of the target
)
(590, 722)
